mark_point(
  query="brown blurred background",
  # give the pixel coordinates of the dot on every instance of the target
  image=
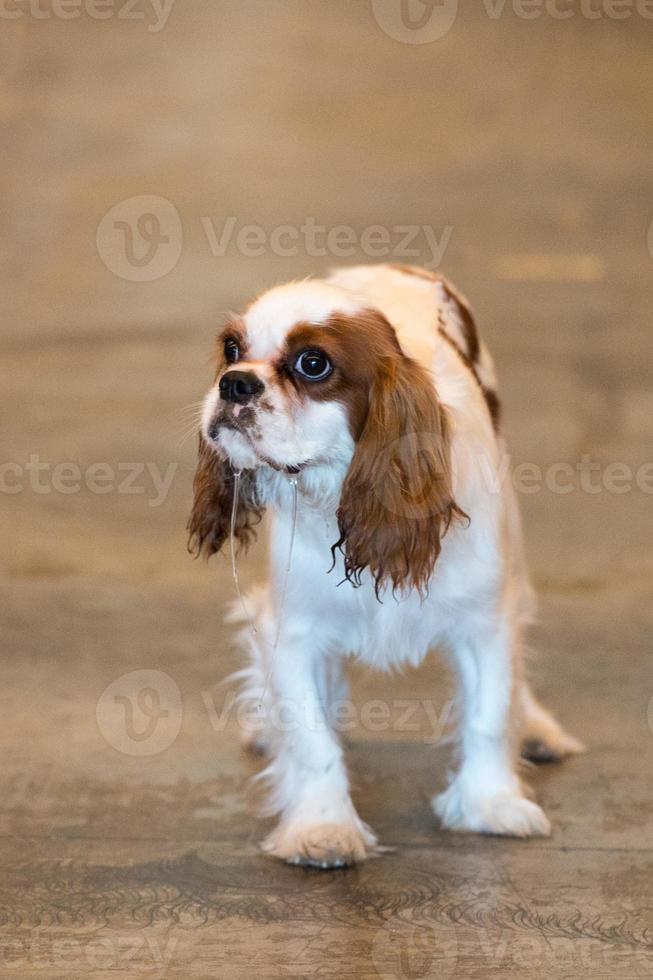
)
(142, 142)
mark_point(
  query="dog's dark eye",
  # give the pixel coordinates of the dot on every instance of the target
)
(314, 365)
(231, 351)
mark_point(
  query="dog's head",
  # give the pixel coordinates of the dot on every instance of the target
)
(311, 381)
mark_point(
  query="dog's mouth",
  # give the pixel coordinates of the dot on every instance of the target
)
(290, 469)
(239, 419)
(242, 423)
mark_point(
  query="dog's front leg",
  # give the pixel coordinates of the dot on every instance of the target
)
(486, 795)
(307, 775)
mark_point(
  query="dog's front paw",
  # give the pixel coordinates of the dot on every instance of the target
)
(507, 813)
(321, 845)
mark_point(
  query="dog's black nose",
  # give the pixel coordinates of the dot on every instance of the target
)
(240, 386)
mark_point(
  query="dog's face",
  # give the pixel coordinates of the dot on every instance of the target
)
(292, 381)
(309, 378)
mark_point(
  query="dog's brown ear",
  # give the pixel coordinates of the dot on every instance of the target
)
(397, 500)
(213, 488)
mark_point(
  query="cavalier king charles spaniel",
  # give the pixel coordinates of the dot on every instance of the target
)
(361, 411)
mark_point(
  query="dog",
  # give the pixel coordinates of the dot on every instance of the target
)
(361, 411)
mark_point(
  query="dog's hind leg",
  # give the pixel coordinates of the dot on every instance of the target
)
(543, 739)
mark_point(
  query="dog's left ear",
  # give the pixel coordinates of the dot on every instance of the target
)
(210, 519)
(397, 500)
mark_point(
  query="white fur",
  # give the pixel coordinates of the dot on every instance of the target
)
(476, 609)
(272, 315)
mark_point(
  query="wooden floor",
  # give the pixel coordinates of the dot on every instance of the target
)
(128, 834)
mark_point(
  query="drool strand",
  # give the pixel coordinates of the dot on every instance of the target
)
(234, 564)
(232, 548)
